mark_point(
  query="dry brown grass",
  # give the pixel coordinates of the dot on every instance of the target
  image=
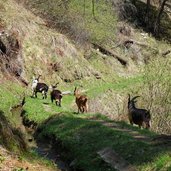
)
(111, 104)
(10, 162)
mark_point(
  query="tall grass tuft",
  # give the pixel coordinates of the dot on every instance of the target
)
(157, 93)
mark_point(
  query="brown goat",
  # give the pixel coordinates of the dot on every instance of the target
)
(56, 95)
(81, 101)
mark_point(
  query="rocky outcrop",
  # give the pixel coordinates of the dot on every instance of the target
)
(11, 60)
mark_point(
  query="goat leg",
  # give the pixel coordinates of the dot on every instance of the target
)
(79, 109)
(59, 103)
(45, 95)
(33, 94)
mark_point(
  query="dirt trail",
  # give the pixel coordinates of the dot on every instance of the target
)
(157, 140)
(135, 134)
(114, 159)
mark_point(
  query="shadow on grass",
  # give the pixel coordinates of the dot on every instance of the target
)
(82, 138)
(11, 137)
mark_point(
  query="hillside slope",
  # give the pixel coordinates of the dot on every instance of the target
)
(52, 54)
(106, 60)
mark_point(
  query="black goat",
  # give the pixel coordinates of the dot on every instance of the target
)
(39, 87)
(56, 95)
(138, 116)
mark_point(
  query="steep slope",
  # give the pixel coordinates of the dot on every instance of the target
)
(32, 43)
(94, 65)
(52, 54)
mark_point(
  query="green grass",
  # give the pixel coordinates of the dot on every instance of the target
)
(83, 137)
(120, 84)
(102, 25)
(40, 109)
(10, 95)
(75, 19)
(80, 134)
(34, 158)
(160, 163)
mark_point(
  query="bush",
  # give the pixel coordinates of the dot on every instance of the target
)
(157, 94)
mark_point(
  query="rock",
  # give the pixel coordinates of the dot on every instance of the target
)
(115, 160)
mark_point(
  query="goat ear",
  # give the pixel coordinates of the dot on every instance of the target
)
(129, 98)
(75, 89)
(39, 77)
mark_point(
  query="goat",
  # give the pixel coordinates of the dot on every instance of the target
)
(56, 95)
(81, 101)
(39, 87)
(138, 116)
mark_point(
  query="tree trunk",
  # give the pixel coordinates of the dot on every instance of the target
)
(134, 2)
(147, 15)
(93, 9)
(158, 19)
(84, 7)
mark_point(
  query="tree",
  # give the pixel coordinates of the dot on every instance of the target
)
(93, 8)
(158, 19)
(147, 15)
(134, 2)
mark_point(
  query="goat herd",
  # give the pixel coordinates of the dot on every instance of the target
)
(140, 117)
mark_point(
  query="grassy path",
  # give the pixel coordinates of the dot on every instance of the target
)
(83, 136)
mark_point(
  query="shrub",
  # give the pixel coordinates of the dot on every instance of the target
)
(157, 93)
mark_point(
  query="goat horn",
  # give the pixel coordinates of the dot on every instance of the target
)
(57, 83)
(134, 98)
(39, 77)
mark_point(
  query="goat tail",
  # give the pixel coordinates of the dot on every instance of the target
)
(86, 104)
(147, 114)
